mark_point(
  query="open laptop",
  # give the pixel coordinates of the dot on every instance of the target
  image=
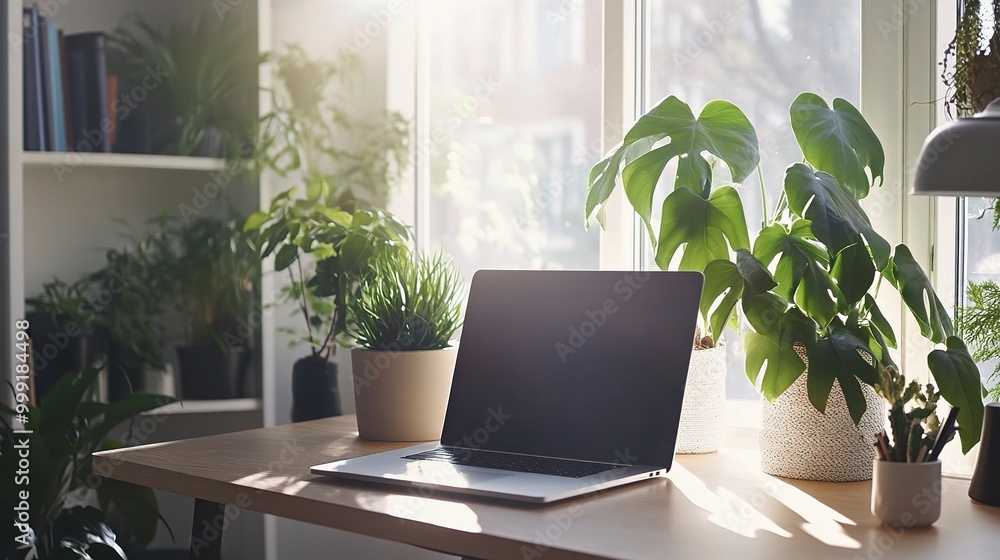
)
(566, 382)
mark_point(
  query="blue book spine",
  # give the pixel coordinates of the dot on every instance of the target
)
(34, 116)
(54, 92)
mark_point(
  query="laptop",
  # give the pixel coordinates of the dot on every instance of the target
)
(566, 382)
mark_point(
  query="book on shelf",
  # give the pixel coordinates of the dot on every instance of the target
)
(52, 87)
(88, 86)
(34, 116)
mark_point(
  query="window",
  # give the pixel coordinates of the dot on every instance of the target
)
(507, 156)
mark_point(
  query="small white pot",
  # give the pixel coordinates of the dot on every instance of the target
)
(402, 396)
(703, 414)
(906, 495)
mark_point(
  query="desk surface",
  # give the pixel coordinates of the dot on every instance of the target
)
(709, 506)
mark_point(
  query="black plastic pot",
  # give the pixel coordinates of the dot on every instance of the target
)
(60, 347)
(210, 372)
(315, 393)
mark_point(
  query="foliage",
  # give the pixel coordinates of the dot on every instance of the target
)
(408, 302)
(66, 430)
(65, 302)
(211, 273)
(979, 324)
(973, 74)
(810, 277)
(325, 251)
(913, 415)
(210, 76)
(311, 131)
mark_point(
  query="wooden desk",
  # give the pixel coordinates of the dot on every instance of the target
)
(710, 506)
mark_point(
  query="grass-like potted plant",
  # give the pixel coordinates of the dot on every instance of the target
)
(325, 252)
(50, 518)
(408, 309)
(806, 287)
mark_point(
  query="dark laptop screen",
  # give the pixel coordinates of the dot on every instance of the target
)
(575, 364)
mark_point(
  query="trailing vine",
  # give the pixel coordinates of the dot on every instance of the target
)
(972, 61)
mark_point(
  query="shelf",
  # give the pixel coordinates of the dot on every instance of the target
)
(122, 161)
(220, 405)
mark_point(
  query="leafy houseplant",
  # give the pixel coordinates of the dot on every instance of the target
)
(66, 430)
(808, 282)
(325, 251)
(209, 81)
(211, 273)
(973, 74)
(979, 322)
(312, 132)
(408, 309)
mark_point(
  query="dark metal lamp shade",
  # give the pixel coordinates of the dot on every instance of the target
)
(962, 158)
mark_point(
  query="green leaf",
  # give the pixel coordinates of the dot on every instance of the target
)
(721, 130)
(703, 226)
(854, 271)
(801, 271)
(255, 220)
(837, 218)
(317, 189)
(285, 257)
(136, 504)
(838, 141)
(959, 382)
(60, 404)
(118, 412)
(764, 311)
(918, 294)
(842, 356)
(879, 321)
(783, 365)
(721, 277)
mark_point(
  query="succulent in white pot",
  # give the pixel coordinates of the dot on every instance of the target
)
(404, 317)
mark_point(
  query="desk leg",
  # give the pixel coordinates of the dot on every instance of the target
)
(206, 530)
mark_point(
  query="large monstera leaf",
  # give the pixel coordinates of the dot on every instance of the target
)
(726, 282)
(958, 380)
(845, 356)
(917, 292)
(802, 272)
(838, 141)
(721, 130)
(706, 228)
(837, 218)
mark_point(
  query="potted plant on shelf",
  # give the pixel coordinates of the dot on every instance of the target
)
(325, 252)
(63, 330)
(406, 313)
(206, 101)
(211, 273)
(66, 428)
(807, 288)
(972, 60)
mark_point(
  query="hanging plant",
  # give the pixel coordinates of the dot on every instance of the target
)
(972, 61)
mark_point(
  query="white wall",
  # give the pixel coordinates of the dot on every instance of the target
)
(323, 28)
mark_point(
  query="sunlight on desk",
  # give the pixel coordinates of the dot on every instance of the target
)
(822, 522)
(727, 510)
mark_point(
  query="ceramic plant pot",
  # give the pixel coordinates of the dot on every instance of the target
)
(906, 495)
(402, 396)
(315, 391)
(703, 413)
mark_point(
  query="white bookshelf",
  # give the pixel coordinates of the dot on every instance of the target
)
(74, 160)
(210, 406)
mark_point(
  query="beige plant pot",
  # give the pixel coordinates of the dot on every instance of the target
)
(402, 396)
(797, 441)
(703, 413)
(906, 495)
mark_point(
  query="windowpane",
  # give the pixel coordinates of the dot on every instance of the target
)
(981, 257)
(759, 54)
(515, 115)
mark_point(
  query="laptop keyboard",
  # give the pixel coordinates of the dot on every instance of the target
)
(516, 463)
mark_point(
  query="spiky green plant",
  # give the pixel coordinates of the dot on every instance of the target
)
(979, 323)
(408, 301)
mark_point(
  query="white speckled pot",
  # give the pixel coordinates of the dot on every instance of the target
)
(703, 414)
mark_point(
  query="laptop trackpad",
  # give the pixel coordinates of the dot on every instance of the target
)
(446, 474)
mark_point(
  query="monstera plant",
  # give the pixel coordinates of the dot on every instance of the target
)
(808, 284)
